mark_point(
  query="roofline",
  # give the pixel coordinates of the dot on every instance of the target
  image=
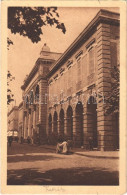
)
(51, 52)
(21, 103)
(100, 16)
(33, 72)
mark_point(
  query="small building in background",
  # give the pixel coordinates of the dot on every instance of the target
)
(20, 120)
(13, 122)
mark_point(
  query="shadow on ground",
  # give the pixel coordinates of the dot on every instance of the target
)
(31, 158)
(97, 157)
(25, 148)
(71, 176)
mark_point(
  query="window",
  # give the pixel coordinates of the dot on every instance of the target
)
(84, 69)
(79, 75)
(78, 70)
(91, 61)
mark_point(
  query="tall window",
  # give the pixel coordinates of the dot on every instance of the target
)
(78, 70)
(91, 61)
(79, 74)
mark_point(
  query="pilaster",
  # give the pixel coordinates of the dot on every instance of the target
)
(42, 110)
(104, 125)
(29, 122)
(65, 126)
(74, 130)
(85, 128)
(58, 127)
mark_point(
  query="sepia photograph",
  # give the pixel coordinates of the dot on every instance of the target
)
(63, 96)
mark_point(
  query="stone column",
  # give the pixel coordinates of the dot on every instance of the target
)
(65, 127)
(33, 122)
(29, 123)
(24, 133)
(53, 126)
(85, 130)
(104, 123)
(58, 127)
(25, 125)
(74, 129)
(42, 111)
(33, 108)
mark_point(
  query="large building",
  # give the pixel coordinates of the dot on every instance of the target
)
(60, 95)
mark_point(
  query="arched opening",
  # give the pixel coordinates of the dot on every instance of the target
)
(37, 94)
(79, 125)
(50, 124)
(61, 122)
(69, 123)
(92, 120)
(55, 117)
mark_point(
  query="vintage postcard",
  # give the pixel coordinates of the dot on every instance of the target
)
(63, 97)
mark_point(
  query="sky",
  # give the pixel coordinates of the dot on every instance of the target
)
(23, 54)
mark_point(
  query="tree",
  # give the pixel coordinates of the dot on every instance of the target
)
(9, 92)
(112, 98)
(28, 21)
(9, 42)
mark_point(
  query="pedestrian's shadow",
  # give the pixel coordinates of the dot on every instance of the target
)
(69, 153)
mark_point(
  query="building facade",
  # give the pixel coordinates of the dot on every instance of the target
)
(61, 93)
(13, 122)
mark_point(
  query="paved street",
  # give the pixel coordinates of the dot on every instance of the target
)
(40, 165)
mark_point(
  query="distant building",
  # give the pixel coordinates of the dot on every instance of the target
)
(60, 95)
(20, 119)
(13, 122)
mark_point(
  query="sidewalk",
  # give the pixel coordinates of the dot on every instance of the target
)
(86, 153)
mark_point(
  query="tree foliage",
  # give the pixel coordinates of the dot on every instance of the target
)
(112, 99)
(10, 96)
(9, 42)
(28, 21)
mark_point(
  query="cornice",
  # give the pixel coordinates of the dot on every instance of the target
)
(35, 69)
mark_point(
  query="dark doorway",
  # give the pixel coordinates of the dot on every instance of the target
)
(92, 120)
(55, 118)
(62, 122)
(50, 124)
(79, 124)
(69, 123)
